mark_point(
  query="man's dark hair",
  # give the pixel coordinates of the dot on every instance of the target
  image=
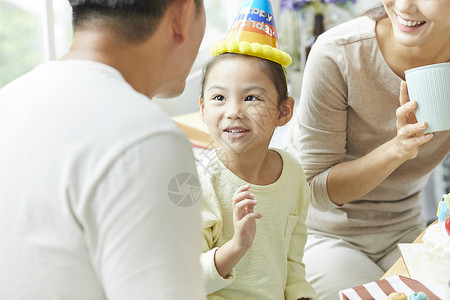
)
(133, 20)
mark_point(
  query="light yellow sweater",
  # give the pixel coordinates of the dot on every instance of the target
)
(272, 268)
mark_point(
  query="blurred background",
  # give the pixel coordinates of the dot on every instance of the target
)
(35, 31)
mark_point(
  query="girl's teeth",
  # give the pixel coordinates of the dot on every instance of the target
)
(409, 23)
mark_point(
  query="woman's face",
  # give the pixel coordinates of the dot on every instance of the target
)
(419, 22)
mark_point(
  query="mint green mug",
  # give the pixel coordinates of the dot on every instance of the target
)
(429, 86)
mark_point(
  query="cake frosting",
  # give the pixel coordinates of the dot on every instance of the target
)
(418, 296)
(436, 247)
(396, 296)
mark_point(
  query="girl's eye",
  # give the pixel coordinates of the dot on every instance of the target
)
(219, 98)
(251, 98)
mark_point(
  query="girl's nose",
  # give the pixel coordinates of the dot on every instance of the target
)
(234, 110)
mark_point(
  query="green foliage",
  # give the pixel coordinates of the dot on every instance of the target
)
(21, 39)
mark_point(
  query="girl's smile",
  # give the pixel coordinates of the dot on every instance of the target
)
(236, 132)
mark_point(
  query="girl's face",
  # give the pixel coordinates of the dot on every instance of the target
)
(240, 105)
(419, 22)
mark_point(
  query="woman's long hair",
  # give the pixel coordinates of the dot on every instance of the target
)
(377, 13)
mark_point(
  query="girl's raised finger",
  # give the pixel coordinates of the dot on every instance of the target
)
(242, 208)
(251, 217)
(242, 189)
(241, 196)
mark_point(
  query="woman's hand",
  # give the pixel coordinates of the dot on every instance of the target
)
(409, 131)
(244, 217)
(350, 180)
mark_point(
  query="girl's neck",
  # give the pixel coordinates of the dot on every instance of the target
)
(401, 58)
(260, 167)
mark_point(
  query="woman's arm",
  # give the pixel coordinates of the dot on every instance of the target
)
(348, 181)
(342, 135)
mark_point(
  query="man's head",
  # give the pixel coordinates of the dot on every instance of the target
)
(152, 43)
(133, 20)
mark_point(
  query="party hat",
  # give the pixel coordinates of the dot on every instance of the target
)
(254, 33)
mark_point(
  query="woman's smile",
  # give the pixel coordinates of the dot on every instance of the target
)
(409, 25)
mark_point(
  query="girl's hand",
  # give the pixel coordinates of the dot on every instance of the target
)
(244, 217)
(244, 222)
(409, 131)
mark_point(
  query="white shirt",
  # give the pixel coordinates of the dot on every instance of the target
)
(86, 169)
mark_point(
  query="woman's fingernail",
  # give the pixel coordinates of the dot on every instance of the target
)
(429, 135)
(422, 125)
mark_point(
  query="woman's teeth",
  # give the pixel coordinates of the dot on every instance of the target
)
(409, 23)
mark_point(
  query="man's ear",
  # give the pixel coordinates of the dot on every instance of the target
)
(286, 111)
(182, 14)
(202, 109)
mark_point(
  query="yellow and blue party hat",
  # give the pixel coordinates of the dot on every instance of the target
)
(254, 33)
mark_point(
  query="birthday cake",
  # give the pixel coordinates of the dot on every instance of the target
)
(436, 253)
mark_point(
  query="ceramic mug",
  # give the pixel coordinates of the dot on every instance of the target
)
(429, 86)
